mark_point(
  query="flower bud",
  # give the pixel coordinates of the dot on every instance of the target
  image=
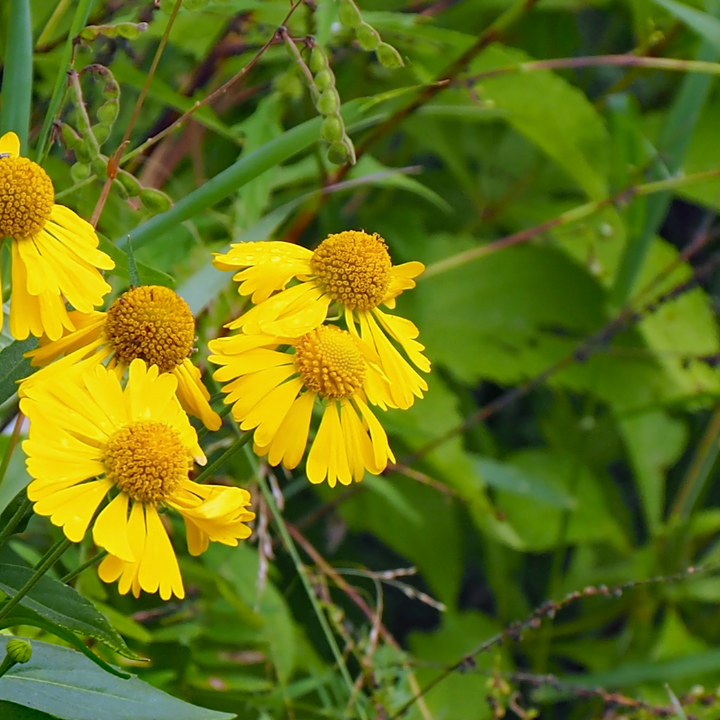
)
(19, 651)
(338, 153)
(329, 102)
(324, 79)
(332, 129)
(348, 14)
(318, 59)
(368, 37)
(388, 56)
(154, 200)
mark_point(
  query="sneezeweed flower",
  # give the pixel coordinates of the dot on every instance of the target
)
(352, 270)
(91, 438)
(55, 254)
(274, 393)
(150, 322)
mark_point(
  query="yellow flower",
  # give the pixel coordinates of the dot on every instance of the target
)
(54, 252)
(352, 269)
(275, 391)
(89, 437)
(150, 322)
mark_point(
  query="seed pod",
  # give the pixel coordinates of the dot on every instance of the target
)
(99, 166)
(154, 200)
(333, 128)
(89, 33)
(101, 132)
(111, 89)
(388, 56)
(318, 59)
(82, 152)
(348, 14)
(368, 37)
(338, 153)
(19, 651)
(79, 172)
(131, 31)
(71, 138)
(120, 189)
(329, 102)
(129, 182)
(107, 113)
(325, 79)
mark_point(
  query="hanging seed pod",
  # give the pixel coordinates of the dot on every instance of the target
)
(367, 36)
(107, 113)
(80, 171)
(325, 79)
(82, 152)
(154, 200)
(388, 56)
(318, 59)
(101, 132)
(129, 182)
(99, 166)
(120, 189)
(131, 31)
(338, 153)
(111, 89)
(348, 14)
(329, 102)
(333, 128)
(71, 138)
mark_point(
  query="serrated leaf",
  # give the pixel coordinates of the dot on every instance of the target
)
(63, 606)
(63, 682)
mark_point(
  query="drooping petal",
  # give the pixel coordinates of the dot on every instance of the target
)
(110, 530)
(288, 445)
(159, 568)
(328, 455)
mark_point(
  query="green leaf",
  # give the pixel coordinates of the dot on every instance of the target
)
(13, 366)
(706, 26)
(63, 682)
(148, 275)
(62, 605)
(17, 73)
(12, 711)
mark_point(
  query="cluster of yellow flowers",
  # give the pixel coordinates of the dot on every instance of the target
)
(108, 407)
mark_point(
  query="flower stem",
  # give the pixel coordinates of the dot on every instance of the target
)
(48, 560)
(96, 558)
(14, 520)
(300, 567)
(11, 446)
(210, 469)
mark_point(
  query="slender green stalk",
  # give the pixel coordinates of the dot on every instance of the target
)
(81, 15)
(17, 73)
(48, 560)
(300, 567)
(7, 531)
(50, 26)
(96, 558)
(210, 469)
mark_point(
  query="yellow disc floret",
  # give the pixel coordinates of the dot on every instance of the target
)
(354, 268)
(147, 460)
(27, 197)
(151, 323)
(330, 363)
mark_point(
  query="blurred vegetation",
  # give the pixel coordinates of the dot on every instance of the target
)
(567, 216)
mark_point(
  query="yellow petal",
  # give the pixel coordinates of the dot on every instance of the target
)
(10, 144)
(193, 395)
(159, 567)
(110, 530)
(288, 445)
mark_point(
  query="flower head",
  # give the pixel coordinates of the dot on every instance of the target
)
(90, 438)
(151, 323)
(55, 254)
(275, 392)
(352, 270)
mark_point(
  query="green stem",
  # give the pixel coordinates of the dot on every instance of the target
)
(210, 469)
(48, 560)
(81, 15)
(52, 23)
(300, 567)
(11, 446)
(17, 73)
(14, 520)
(96, 558)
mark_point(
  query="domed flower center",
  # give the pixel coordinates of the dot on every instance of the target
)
(152, 323)
(330, 362)
(147, 460)
(27, 197)
(354, 268)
